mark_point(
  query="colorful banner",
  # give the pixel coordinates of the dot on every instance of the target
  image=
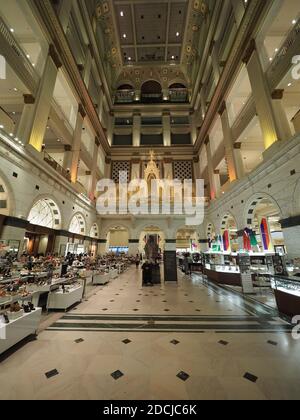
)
(265, 235)
(226, 241)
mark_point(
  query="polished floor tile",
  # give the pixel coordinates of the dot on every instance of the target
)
(124, 342)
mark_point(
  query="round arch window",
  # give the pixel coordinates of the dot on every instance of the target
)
(45, 213)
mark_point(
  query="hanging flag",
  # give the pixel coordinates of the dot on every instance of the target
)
(226, 241)
(246, 240)
(265, 236)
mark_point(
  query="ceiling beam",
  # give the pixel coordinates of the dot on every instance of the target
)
(167, 31)
(134, 32)
(149, 45)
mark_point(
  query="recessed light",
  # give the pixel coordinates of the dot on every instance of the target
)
(294, 21)
(58, 140)
(15, 89)
(173, 57)
(124, 36)
(290, 84)
(27, 55)
(177, 34)
(12, 30)
(122, 13)
(129, 58)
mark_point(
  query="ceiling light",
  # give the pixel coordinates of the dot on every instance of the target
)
(122, 13)
(124, 36)
(15, 89)
(12, 30)
(177, 34)
(290, 84)
(1, 126)
(129, 58)
(294, 22)
(58, 140)
(173, 57)
(28, 56)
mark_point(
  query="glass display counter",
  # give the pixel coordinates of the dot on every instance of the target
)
(287, 294)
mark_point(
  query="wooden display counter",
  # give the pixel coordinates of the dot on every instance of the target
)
(287, 303)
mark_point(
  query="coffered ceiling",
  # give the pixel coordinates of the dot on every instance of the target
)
(150, 31)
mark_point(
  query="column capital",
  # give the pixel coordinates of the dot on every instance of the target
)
(237, 145)
(206, 141)
(216, 172)
(135, 161)
(29, 99)
(67, 148)
(168, 160)
(277, 94)
(107, 160)
(196, 159)
(249, 51)
(54, 55)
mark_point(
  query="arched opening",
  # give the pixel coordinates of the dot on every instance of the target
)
(44, 213)
(125, 87)
(187, 241)
(124, 94)
(4, 199)
(151, 92)
(229, 234)
(94, 232)
(177, 86)
(155, 235)
(178, 92)
(118, 240)
(266, 234)
(78, 225)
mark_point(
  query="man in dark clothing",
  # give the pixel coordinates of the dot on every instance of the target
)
(147, 273)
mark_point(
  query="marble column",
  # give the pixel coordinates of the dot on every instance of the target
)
(213, 177)
(281, 118)
(238, 159)
(228, 142)
(100, 105)
(88, 66)
(133, 247)
(215, 62)
(43, 100)
(67, 162)
(166, 119)
(296, 122)
(93, 178)
(65, 13)
(25, 124)
(136, 130)
(262, 96)
(77, 143)
(238, 10)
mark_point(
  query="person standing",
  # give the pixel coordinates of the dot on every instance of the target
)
(147, 273)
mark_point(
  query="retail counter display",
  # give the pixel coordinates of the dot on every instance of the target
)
(101, 278)
(65, 295)
(287, 294)
(12, 331)
(223, 274)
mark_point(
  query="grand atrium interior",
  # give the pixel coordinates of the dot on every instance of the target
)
(149, 199)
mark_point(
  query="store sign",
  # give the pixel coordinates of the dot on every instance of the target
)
(2, 68)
